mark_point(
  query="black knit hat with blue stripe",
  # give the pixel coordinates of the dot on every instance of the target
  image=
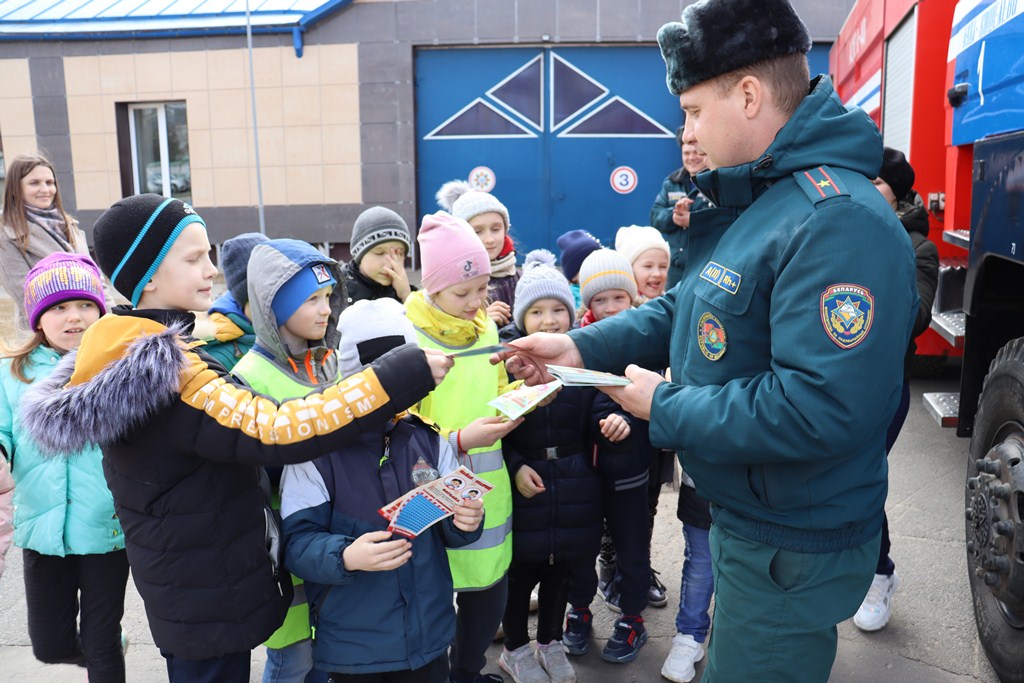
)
(133, 236)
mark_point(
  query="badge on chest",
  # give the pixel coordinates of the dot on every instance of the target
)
(711, 337)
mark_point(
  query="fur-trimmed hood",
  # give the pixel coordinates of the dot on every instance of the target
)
(125, 370)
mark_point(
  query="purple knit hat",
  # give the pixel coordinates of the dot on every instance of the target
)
(61, 277)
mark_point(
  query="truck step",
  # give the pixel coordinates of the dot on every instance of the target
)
(944, 407)
(950, 326)
(960, 238)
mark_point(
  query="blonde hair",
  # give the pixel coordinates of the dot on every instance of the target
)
(787, 78)
(19, 354)
(14, 203)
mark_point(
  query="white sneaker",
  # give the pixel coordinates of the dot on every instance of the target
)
(684, 654)
(876, 609)
(522, 665)
(553, 659)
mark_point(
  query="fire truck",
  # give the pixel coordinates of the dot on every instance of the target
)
(944, 81)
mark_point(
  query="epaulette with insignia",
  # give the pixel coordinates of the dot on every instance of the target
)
(413, 417)
(820, 183)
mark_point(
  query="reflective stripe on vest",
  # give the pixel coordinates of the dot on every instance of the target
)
(461, 398)
(267, 378)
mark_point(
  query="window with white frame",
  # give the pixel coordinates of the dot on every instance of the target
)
(158, 133)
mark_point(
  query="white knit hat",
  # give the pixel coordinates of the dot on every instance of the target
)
(540, 280)
(369, 329)
(605, 269)
(634, 240)
(459, 199)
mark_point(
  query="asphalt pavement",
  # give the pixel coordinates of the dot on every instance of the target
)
(930, 639)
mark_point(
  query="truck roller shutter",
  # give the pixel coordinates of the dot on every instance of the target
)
(898, 98)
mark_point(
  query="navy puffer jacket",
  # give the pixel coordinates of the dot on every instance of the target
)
(563, 522)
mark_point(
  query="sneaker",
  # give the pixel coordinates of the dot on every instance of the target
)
(625, 643)
(578, 625)
(522, 665)
(684, 654)
(553, 660)
(657, 594)
(876, 609)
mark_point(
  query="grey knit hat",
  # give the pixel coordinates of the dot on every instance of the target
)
(459, 199)
(369, 329)
(719, 36)
(234, 261)
(605, 269)
(540, 280)
(377, 224)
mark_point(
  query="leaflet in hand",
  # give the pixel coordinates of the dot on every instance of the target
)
(428, 504)
(581, 377)
(515, 404)
(484, 350)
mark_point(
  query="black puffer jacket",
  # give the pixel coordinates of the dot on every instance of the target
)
(564, 522)
(361, 288)
(914, 217)
(182, 448)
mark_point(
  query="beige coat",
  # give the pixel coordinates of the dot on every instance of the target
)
(14, 265)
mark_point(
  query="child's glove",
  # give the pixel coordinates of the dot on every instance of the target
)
(529, 482)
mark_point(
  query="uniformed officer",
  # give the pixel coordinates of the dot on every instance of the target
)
(785, 338)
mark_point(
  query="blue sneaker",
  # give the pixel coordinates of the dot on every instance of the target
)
(578, 625)
(625, 643)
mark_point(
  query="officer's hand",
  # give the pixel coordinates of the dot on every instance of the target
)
(636, 398)
(532, 353)
(529, 482)
(373, 552)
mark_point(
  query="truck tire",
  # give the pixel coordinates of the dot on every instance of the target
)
(995, 506)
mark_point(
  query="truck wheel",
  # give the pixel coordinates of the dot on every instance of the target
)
(995, 507)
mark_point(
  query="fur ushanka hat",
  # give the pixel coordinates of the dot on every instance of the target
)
(719, 36)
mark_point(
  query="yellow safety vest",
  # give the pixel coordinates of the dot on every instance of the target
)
(461, 398)
(268, 379)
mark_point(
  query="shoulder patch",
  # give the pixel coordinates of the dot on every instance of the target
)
(820, 183)
(847, 311)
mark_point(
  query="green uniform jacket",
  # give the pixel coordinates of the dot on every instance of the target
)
(785, 336)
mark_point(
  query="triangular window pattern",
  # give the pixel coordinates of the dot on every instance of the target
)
(523, 91)
(479, 119)
(572, 91)
(616, 118)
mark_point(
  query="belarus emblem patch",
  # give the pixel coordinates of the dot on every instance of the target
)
(711, 337)
(847, 312)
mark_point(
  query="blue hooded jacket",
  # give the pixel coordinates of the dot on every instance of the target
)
(785, 336)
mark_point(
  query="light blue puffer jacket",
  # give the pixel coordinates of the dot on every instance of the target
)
(62, 505)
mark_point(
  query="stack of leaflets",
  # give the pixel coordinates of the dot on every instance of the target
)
(515, 404)
(581, 377)
(428, 504)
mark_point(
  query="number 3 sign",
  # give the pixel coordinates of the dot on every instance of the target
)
(623, 180)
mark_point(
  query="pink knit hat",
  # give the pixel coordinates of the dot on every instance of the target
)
(450, 252)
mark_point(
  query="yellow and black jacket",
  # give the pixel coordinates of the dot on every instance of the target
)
(182, 446)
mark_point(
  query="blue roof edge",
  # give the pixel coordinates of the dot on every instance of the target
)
(305, 22)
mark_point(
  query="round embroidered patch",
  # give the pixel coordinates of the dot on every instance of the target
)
(847, 312)
(711, 337)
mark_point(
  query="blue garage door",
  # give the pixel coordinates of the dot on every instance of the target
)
(567, 138)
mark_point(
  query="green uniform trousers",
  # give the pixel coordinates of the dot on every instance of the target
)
(776, 610)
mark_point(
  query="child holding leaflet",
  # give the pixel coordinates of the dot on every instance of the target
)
(359, 578)
(449, 315)
(557, 508)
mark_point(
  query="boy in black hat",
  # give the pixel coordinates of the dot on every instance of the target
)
(183, 445)
(784, 379)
